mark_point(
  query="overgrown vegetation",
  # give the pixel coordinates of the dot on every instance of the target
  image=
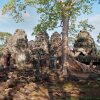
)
(3, 37)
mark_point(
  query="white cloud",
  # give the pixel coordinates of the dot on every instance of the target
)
(95, 21)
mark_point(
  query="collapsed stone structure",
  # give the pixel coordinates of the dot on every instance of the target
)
(18, 84)
(24, 51)
(17, 45)
(17, 42)
(84, 44)
(40, 48)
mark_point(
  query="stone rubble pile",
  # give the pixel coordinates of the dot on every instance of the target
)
(12, 90)
(31, 91)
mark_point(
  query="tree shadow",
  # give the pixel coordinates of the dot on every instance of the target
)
(57, 89)
(4, 74)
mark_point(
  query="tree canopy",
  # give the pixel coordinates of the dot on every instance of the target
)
(4, 36)
(51, 12)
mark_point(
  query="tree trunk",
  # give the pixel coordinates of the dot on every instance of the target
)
(65, 44)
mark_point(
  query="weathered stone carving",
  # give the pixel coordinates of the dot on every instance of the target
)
(18, 46)
(41, 49)
(55, 42)
(17, 42)
(31, 44)
(84, 44)
(41, 41)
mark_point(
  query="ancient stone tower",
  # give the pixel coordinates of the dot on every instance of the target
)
(17, 42)
(85, 44)
(55, 42)
(18, 46)
(42, 41)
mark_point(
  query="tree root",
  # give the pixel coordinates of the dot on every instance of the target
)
(74, 65)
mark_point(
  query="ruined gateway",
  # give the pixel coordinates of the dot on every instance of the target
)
(24, 51)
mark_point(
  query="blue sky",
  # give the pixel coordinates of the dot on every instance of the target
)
(7, 24)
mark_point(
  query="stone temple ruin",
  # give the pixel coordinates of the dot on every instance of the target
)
(17, 42)
(17, 45)
(42, 41)
(84, 44)
(28, 83)
(55, 43)
(24, 51)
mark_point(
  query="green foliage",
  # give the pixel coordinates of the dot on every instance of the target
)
(1, 48)
(4, 36)
(98, 49)
(85, 26)
(51, 11)
(15, 9)
(98, 38)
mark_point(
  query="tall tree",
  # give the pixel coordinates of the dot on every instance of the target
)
(52, 12)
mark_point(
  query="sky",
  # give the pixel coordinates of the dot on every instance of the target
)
(7, 24)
